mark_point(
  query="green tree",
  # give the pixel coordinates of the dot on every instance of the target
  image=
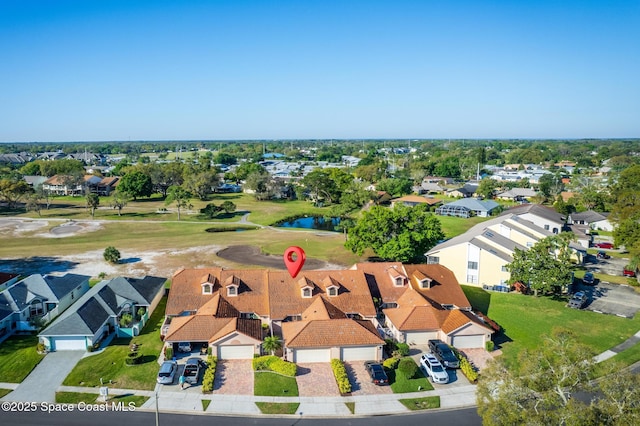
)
(407, 367)
(394, 186)
(228, 207)
(180, 196)
(400, 234)
(93, 201)
(33, 203)
(111, 254)
(319, 185)
(119, 200)
(201, 183)
(271, 344)
(137, 184)
(487, 187)
(12, 191)
(545, 267)
(260, 183)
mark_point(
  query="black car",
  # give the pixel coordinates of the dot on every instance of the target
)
(376, 371)
(444, 353)
(602, 255)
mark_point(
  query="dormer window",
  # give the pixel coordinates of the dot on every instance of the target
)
(306, 292)
(425, 283)
(398, 281)
(232, 291)
(207, 288)
(332, 291)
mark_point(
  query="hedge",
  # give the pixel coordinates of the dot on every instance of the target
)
(466, 367)
(390, 363)
(342, 379)
(209, 374)
(275, 364)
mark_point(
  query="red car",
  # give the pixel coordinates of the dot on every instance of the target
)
(604, 245)
(628, 273)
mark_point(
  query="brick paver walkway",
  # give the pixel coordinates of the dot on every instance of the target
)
(233, 377)
(316, 379)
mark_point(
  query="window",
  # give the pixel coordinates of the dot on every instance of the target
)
(529, 244)
(504, 268)
(399, 281)
(206, 289)
(433, 260)
(546, 227)
(36, 309)
(306, 292)
(472, 265)
(332, 291)
(232, 291)
(473, 279)
(425, 283)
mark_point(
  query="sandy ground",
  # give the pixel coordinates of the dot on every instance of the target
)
(163, 263)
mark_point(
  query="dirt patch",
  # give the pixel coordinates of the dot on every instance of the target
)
(251, 255)
(18, 227)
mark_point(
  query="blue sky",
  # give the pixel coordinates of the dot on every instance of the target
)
(160, 70)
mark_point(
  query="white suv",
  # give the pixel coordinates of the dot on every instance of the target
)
(434, 369)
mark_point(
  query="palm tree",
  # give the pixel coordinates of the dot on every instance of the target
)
(271, 344)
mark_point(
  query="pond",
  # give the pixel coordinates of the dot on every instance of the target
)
(312, 222)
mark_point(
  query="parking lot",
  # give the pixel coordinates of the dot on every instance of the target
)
(613, 299)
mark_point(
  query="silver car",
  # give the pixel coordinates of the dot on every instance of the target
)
(167, 372)
(434, 369)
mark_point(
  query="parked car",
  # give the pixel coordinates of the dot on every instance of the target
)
(588, 278)
(628, 273)
(184, 347)
(434, 369)
(604, 245)
(376, 371)
(443, 353)
(192, 370)
(578, 300)
(167, 372)
(602, 255)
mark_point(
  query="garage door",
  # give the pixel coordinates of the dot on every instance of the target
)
(420, 337)
(69, 343)
(312, 355)
(360, 353)
(235, 352)
(476, 341)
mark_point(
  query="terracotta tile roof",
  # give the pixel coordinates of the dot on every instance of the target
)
(218, 306)
(379, 279)
(329, 333)
(414, 318)
(444, 290)
(322, 309)
(457, 319)
(185, 293)
(285, 296)
(253, 290)
(205, 328)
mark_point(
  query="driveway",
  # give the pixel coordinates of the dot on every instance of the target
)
(44, 380)
(233, 377)
(361, 381)
(613, 299)
(316, 379)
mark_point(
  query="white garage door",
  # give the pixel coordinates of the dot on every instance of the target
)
(360, 353)
(420, 337)
(476, 341)
(312, 355)
(235, 352)
(69, 343)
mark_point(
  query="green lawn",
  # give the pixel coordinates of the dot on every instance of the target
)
(92, 398)
(18, 356)
(4, 392)
(453, 226)
(401, 384)
(525, 319)
(425, 403)
(278, 407)
(110, 364)
(272, 384)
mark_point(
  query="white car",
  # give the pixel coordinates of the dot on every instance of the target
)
(434, 369)
(184, 347)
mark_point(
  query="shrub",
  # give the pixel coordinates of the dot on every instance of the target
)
(489, 346)
(342, 379)
(133, 358)
(390, 363)
(402, 349)
(468, 370)
(275, 364)
(111, 254)
(408, 367)
(125, 320)
(168, 352)
(209, 374)
(40, 347)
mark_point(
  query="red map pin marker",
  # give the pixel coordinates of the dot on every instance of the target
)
(294, 265)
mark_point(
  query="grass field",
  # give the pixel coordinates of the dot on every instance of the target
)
(110, 364)
(19, 356)
(401, 384)
(278, 407)
(426, 403)
(93, 398)
(267, 383)
(526, 319)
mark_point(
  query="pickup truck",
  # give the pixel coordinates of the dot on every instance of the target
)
(443, 353)
(192, 370)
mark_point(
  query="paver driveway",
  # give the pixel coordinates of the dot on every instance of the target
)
(316, 379)
(233, 377)
(361, 383)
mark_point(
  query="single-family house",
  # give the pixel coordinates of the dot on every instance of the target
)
(517, 194)
(467, 207)
(414, 200)
(467, 190)
(592, 219)
(120, 305)
(543, 216)
(38, 299)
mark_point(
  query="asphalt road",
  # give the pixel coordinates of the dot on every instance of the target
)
(463, 417)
